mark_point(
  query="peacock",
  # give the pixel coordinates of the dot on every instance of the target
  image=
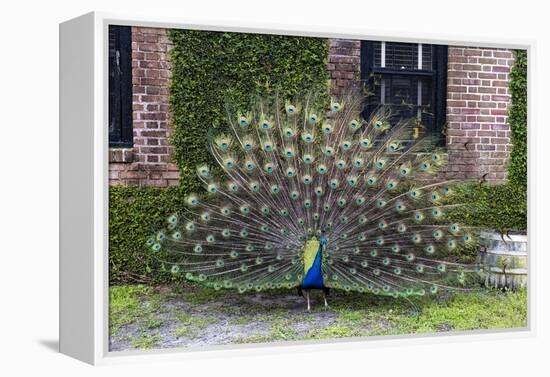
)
(312, 194)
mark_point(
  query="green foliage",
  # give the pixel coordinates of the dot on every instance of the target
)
(211, 68)
(208, 69)
(134, 213)
(517, 171)
(499, 207)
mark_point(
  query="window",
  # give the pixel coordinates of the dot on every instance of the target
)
(409, 79)
(120, 87)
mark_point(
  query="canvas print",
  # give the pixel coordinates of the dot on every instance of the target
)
(267, 188)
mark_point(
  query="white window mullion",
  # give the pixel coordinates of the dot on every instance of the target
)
(420, 56)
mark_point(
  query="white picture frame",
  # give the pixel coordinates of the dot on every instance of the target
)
(84, 190)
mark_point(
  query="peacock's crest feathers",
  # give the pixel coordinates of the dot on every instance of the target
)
(291, 171)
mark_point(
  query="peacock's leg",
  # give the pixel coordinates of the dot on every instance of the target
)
(307, 299)
(325, 294)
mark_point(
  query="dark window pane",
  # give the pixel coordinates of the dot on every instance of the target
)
(427, 57)
(408, 80)
(120, 86)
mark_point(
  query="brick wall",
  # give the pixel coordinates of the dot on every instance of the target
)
(149, 162)
(478, 135)
(343, 63)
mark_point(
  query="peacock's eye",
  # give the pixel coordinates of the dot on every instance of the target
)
(243, 121)
(290, 172)
(308, 159)
(312, 119)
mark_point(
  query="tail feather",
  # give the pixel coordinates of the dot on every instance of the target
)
(291, 171)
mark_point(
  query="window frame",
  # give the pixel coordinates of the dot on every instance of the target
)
(438, 76)
(120, 88)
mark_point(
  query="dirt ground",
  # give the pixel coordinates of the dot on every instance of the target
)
(164, 317)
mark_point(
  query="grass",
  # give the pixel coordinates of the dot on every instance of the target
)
(139, 313)
(146, 341)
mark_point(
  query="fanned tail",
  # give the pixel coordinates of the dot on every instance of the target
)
(290, 171)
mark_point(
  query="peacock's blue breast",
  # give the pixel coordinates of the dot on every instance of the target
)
(314, 276)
